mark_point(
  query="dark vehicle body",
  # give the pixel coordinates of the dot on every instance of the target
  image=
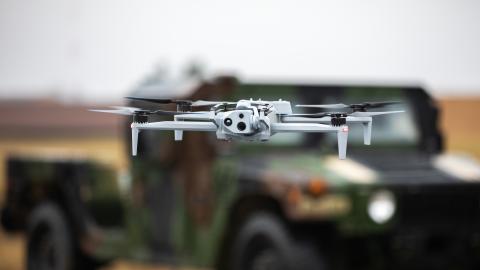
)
(285, 204)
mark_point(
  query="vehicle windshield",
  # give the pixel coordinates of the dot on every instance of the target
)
(397, 130)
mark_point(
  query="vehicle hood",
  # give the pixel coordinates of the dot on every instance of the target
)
(414, 167)
(364, 168)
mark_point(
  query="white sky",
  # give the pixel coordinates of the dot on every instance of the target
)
(99, 49)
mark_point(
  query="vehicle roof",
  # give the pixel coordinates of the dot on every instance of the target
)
(187, 86)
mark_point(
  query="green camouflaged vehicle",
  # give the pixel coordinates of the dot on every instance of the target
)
(286, 204)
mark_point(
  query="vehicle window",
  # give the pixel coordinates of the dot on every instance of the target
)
(388, 130)
(395, 130)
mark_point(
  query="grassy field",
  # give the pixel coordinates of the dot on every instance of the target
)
(458, 122)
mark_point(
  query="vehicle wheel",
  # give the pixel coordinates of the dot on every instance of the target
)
(264, 243)
(49, 244)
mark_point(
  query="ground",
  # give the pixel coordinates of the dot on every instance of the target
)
(459, 124)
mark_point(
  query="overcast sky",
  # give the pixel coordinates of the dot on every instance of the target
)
(99, 49)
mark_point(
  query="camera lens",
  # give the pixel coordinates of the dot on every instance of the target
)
(241, 126)
(240, 115)
(227, 122)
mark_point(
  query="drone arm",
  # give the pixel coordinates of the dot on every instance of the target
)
(302, 127)
(325, 119)
(342, 132)
(195, 116)
(207, 116)
(366, 122)
(177, 125)
(169, 125)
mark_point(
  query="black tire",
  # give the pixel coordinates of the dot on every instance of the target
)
(264, 243)
(49, 243)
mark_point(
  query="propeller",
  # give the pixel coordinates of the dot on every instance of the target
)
(121, 110)
(161, 100)
(315, 115)
(137, 111)
(358, 107)
(323, 106)
(367, 114)
(339, 114)
(183, 102)
(200, 103)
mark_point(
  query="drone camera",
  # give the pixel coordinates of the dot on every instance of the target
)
(228, 122)
(241, 126)
(239, 122)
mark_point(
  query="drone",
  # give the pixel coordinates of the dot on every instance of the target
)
(252, 120)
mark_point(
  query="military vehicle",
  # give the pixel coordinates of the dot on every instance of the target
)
(286, 204)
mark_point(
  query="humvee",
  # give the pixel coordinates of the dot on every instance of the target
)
(289, 203)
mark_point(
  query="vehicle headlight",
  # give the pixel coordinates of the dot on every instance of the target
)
(381, 206)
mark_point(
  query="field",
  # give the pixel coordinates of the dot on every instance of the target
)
(458, 121)
(461, 126)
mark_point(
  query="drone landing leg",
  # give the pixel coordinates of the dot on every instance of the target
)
(342, 138)
(135, 132)
(178, 135)
(367, 132)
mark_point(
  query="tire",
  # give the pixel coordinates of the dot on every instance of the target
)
(264, 243)
(49, 243)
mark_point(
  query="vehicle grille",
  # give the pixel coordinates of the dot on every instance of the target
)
(449, 206)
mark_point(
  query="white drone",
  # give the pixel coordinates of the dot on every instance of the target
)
(251, 120)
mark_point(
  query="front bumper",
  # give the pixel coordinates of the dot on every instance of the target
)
(434, 227)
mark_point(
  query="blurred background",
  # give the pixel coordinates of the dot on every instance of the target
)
(58, 58)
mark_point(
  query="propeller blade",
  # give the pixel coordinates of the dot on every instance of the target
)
(124, 110)
(260, 102)
(153, 100)
(201, 103)
(197, 103)
(356, 114)
(162, 112)
(160, 100)
(367, 114)
(324, 106)
(307, 115)
(357, 106)
(129, 109)
(378, 104)
(118, 111)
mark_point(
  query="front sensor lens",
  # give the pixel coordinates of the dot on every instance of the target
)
(227, 122)
(241, 126)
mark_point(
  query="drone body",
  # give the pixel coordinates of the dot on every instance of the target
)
(251, 120)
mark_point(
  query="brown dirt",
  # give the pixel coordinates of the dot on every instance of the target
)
(459, 122)
(11, 251)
